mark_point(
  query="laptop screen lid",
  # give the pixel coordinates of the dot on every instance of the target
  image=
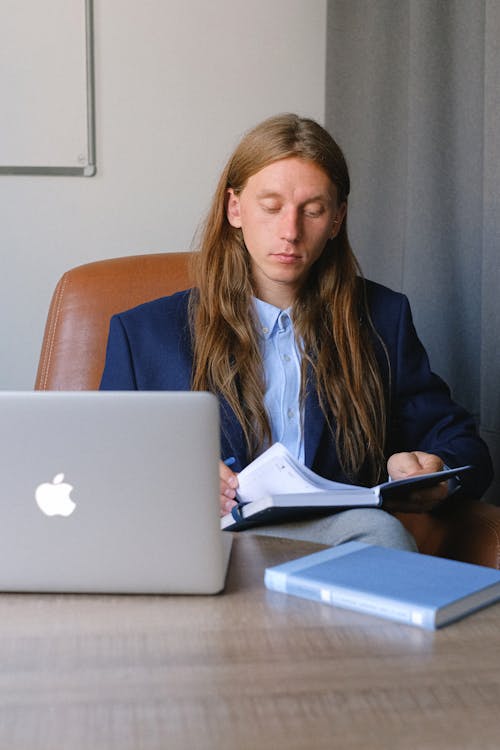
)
(111, 492)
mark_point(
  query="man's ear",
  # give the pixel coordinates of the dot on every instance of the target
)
(339, 219)
(233, 209)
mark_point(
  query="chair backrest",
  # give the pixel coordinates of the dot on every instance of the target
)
(85, 298)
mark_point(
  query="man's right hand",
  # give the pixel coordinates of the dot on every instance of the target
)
(228, 485)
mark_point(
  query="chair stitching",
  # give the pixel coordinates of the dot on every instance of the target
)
(52, 330)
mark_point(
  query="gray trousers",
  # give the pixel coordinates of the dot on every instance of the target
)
(369, 525)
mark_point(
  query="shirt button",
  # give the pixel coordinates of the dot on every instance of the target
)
(290, 413)
(286, 358)
(265, 329)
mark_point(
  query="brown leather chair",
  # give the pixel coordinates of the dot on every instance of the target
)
(73, 353)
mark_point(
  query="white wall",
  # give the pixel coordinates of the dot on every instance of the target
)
(177, 83)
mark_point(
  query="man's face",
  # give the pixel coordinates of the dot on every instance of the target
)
(287, 212)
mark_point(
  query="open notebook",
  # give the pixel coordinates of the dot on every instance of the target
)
(276, 488)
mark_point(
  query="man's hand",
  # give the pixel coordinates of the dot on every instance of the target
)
(404, 465)
(228, 485)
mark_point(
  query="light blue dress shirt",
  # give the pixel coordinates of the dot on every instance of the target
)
(281, 360)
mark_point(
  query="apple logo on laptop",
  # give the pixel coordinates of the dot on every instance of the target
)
(53, 498)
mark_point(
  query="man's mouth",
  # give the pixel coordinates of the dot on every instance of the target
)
(286, 257)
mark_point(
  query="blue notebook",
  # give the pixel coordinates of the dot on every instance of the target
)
(405, 586)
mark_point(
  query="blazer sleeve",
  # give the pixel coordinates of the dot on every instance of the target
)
(118, 372)
(425, 417)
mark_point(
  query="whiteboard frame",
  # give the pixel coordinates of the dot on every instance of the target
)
(89, 169)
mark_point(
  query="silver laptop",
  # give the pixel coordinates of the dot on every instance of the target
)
(111, 492)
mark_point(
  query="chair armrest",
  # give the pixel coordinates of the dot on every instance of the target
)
(461, 529)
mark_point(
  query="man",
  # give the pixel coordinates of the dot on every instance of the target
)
(296, 345)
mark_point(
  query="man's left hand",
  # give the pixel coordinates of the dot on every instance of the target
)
(404, 465)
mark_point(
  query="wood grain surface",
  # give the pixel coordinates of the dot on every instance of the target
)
(246, 669)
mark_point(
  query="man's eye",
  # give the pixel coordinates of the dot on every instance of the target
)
(313, 213)
(270, 208)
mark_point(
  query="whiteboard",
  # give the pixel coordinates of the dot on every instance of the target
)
(47, 87)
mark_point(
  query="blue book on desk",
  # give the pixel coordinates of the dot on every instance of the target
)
(405, 586)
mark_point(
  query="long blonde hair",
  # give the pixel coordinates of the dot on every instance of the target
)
(330, 314)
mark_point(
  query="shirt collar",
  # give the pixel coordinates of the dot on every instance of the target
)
(269, 317)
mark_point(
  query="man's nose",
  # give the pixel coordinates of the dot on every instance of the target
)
(290, 225)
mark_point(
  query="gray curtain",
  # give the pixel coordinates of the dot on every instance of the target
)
(413, 99)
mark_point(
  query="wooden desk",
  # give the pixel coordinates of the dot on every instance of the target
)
(248, 669)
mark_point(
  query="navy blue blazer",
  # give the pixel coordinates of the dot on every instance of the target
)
(149, 348)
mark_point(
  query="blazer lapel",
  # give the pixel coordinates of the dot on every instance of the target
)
(232, 439)
(319, 445)
(314, 423)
